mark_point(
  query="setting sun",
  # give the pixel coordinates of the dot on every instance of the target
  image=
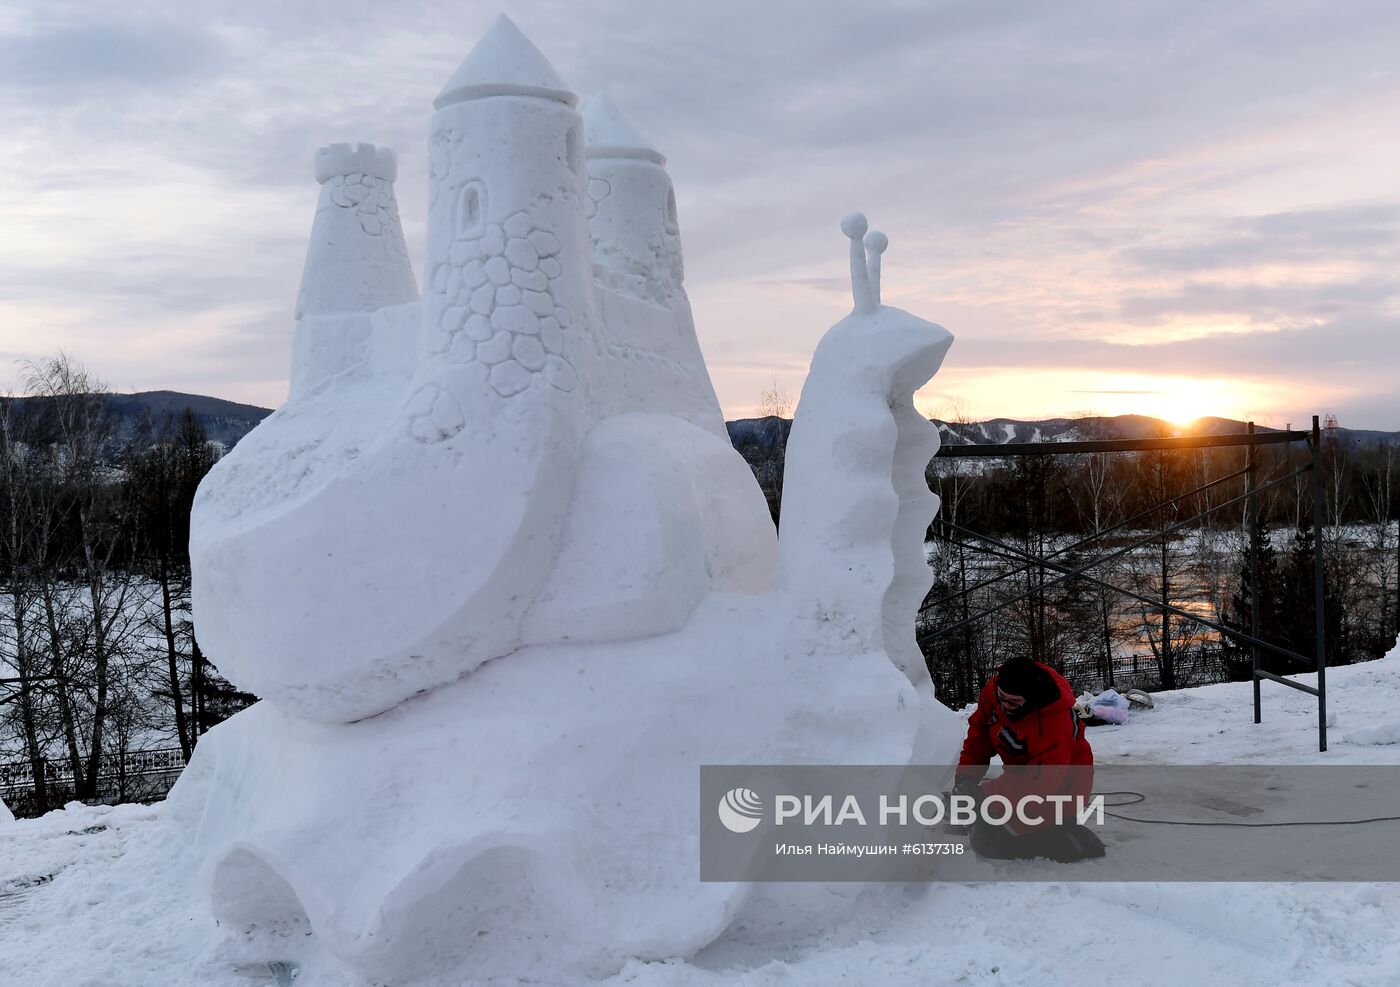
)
(1179, 400)
(981, 394)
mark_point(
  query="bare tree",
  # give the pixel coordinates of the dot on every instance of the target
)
(775, 400)
(952, 480)
(1379, 492)
(17, 485)
(164, 477)
(81, 440)
(1100, 507)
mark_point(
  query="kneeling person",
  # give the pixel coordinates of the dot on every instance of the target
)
(1025, 715)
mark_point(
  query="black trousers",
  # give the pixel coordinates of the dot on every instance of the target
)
(1066, 843)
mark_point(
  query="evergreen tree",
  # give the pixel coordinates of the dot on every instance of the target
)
(1287, 606)
(1239, 613)
(1297, 628)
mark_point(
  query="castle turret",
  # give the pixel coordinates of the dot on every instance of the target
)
(636, 249)
(508, 280)
(356, 261)
(632, 205)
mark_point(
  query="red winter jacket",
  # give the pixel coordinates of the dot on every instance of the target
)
(1047, 735)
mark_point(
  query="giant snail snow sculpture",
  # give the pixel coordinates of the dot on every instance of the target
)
(503, 583)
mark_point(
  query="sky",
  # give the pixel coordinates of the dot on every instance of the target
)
(1175, 209)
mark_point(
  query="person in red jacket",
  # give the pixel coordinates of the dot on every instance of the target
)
(1025, 715)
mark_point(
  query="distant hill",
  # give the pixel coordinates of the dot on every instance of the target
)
(1000, 431)
(759, 440)
(763, 444)
(763, 441)
(224, 422)
(762, 438)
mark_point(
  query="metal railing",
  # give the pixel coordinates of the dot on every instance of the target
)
(131, 776)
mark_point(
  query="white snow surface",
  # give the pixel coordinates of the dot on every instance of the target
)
(101, 897)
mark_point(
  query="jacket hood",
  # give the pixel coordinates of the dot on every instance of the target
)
(1051, 695)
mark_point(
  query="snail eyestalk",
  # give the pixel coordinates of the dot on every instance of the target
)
(854, 226)
(875, 244)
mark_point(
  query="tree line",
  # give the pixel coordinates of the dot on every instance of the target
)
(1121, 515)
(98, 655)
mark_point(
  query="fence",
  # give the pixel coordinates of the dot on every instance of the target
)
(1087, 673)
(133, 776)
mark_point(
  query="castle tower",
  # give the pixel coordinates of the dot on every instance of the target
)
(508, 281)
(356, 261)
(632, 204)
(636, 249)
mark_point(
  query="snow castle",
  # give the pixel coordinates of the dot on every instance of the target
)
(502, 582)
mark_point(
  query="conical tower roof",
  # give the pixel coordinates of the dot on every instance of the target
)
(504, 63)
(610, 134)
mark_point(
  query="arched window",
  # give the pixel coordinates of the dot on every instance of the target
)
(471, 209)
(672, 224)
(572, 152)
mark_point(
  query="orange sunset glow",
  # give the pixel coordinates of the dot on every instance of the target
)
(1177, 400)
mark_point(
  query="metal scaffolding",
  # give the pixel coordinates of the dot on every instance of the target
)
(1253, 489)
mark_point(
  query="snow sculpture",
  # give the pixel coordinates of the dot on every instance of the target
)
(504, 584)
(514, 338)
(834, 505)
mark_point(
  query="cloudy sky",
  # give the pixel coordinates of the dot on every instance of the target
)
(1171, 208)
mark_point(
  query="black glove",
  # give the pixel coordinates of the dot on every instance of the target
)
(968, 785)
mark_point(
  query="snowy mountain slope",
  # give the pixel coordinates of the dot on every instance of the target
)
(1000, 431)
(764, 438)
(102, 897)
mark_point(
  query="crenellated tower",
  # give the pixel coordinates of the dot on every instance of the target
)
(356, 261)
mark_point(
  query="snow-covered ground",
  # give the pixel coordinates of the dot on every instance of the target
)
(100, 897)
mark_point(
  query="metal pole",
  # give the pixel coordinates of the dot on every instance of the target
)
(1118, 553)
(1319, 583)
(1038, 611)
(1167, 672)
(1185, 615)
(1251, 509)
(1097, 536)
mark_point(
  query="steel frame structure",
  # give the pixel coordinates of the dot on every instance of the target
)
(1251, 440)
